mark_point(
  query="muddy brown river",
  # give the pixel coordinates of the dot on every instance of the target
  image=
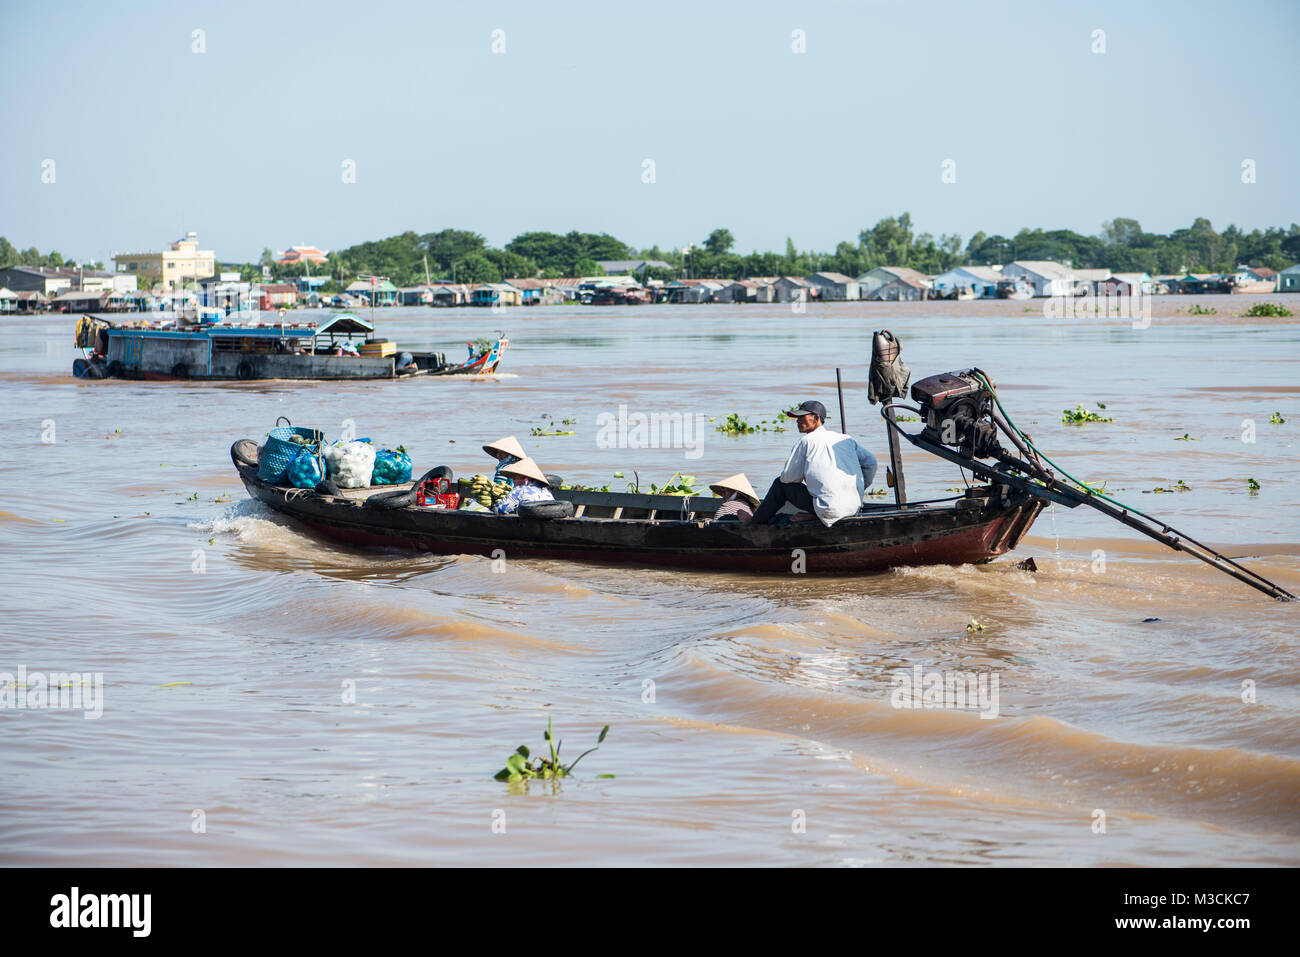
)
(271, 698)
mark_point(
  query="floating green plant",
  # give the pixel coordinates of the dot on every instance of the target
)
(1267, 310)
(1081, 415)
(550, 430)
(1276, 419)
(522, 766)
(1179, 486)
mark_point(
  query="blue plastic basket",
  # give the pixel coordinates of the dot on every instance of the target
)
(279, 451)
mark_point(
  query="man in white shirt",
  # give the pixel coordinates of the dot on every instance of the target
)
(827, 472)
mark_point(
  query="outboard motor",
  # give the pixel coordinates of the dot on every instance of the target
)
(958, 412)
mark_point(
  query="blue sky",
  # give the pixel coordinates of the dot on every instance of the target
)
(245, 142)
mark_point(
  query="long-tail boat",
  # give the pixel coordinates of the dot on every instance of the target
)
(963, 422)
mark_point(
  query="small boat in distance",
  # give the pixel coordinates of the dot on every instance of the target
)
(190, 348)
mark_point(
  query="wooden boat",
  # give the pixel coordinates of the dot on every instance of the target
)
(963, 420)
(668, 531)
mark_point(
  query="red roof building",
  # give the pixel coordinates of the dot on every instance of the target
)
(298, 254)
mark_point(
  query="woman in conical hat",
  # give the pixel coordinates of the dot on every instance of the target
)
(505, 451)
(530, 486)
(738, 498)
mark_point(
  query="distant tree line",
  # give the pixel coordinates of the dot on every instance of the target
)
(1121, 246)
(10, 256)
(464, 256)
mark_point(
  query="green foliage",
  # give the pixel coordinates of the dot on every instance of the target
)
(720, 242)
(562, 255)
(1079, 415)
(1202, 311)
(1252, 485)
(1276, 419)
(677, 484)
(735, 425)
(476, 267)
(522, 766)
(1267, 310)
(1179, 486)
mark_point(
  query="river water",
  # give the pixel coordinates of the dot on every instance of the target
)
(272, 698)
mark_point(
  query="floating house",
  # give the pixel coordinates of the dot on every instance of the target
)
(374, 290)
(870, 283)
(8, 300)
(833, 286)
(421, 294)
(279, 295)
(976, 282)
(1288, 280)
(533, 292)
(494, 294)
(1088, 281)
(1126, 284)
(793, 289)
(744, 290)
(32, 300)
(1045, 278)
(894, 284)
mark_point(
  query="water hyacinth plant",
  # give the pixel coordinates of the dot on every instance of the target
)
(522, 766)
(1267, 310)
(1080, 415)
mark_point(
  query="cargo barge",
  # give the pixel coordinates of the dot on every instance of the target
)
(177, 349)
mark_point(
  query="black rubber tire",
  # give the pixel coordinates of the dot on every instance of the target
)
(115, 368)
(180, 371)
(327, 487)
(553, 480)
(397, 498)
(240, 455)
(546, 510)
(245, 371)
(441, 471)
(94, 370)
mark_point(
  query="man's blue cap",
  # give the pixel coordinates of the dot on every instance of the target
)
(809, 408)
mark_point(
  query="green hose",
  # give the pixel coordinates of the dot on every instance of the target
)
(988, 385)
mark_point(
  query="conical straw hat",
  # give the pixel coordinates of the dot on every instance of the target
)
(736, 483)
(527, 468)
(509, 445)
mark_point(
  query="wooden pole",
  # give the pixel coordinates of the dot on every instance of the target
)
(896, 461)
(839, 387)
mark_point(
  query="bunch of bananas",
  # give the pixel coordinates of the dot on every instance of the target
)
(486, 492)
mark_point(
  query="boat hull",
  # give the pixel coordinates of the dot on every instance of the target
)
(967, 531)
